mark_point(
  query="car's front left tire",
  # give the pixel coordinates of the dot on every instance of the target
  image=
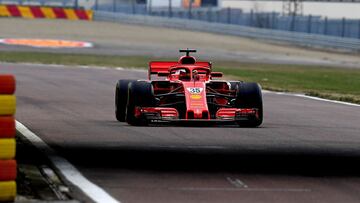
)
(248, 95)
(121, 97)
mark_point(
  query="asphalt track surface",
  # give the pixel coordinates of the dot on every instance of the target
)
(305, 151)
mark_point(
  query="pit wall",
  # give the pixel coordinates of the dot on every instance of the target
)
(32, 12)
(8, 167)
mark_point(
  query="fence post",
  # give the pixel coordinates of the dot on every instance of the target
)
(170, 8)
(273, 20)
(228, 15)
(251, 17)
(210, 14)
(359, 29)
(76, 4)
(190, 7)
(133, 7)
(114, 6)
(325, 26)
(149, 7)
(240, 17)
(343, 27)
(309, 23)
(96, 5)
(292, 26)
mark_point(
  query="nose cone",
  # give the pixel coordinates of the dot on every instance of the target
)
(196, 103)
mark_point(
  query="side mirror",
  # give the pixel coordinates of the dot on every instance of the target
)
(216, 74)
(163, 73)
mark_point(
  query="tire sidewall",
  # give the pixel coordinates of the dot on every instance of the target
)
(121, 98)
(140, 94)
(248, 95)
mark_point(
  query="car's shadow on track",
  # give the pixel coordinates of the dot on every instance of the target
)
(282, 162)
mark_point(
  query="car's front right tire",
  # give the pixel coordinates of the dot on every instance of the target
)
(121, 97)
(141, 94)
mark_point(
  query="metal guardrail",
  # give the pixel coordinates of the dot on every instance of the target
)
(295, 38)
(311, 24)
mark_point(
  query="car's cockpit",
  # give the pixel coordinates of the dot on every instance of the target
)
(196, 73)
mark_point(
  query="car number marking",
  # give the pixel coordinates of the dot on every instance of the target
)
(195, 90)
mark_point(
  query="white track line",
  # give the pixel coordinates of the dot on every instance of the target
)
(243, 189)
(237, 182)
(311, 97)
(41, 65)
(67, 170)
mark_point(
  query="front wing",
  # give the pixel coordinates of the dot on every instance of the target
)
(160, 114)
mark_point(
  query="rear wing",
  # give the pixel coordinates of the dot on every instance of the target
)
(163, 66)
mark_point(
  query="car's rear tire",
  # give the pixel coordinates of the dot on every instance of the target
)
(141, 94)
(121, 97)
(249, 96)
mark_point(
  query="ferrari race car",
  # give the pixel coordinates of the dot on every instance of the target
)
(187, 91)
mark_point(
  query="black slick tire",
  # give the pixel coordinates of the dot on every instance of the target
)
(121, 97)
(141, 94)
(249, 96)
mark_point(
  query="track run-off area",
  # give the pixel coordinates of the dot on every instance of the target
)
(305, 151)
(134, 40)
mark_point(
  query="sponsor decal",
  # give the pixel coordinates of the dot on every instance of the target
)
(195, 96)
(195, 90)
(46, 43)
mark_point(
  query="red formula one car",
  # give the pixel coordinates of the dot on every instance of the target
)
(186, 91)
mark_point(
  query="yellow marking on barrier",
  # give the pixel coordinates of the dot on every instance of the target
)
(70, 14)
(89, 13)
(4, 11)
(48, 12)
(25, 12)
(7, 148)
(7, 190)
(8, 104)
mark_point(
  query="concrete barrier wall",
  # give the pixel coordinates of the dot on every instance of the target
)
(52, 3)
(45, 12)
(7, 139)
(300, 39)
